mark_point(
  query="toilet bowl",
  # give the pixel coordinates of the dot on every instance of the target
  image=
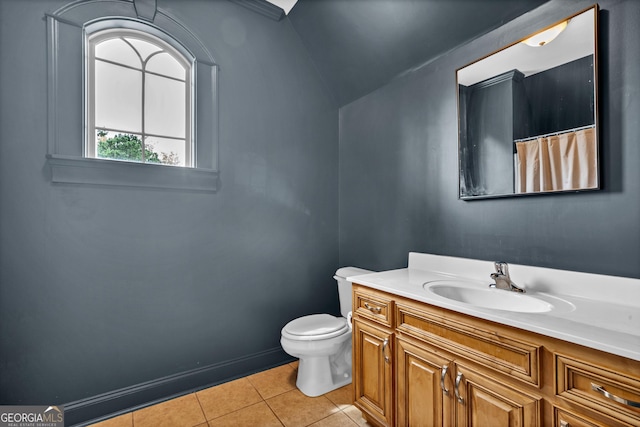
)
(322, 343)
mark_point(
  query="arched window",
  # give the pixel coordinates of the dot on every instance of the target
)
(127, 81)
(139, 99)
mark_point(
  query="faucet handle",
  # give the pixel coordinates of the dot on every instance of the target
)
(501, 268)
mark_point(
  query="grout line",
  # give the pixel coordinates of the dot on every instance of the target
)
(201, 409)
(274, 414)
(241, 409)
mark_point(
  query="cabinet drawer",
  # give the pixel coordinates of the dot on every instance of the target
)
(562, 418)
(373, 305)
(490, 346)
(600, 389)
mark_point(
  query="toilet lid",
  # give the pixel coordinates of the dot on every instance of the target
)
(315, 327)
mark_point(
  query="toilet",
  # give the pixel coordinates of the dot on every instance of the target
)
(322, 343)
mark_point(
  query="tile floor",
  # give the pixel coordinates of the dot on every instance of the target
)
(266, 399)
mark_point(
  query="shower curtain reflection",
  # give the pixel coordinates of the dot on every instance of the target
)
(565, 161)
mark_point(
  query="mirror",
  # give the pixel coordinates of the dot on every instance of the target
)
(527, 114)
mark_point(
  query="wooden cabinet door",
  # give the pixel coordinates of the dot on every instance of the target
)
(482, 400)
(372, 371)
(423, 387)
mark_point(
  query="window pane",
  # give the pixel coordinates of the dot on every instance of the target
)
(165, 106)
(169, 151)
(144, 48)
(118, 95)
(117, 50)
(165, 64)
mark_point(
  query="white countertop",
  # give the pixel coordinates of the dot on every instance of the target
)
(603, 312)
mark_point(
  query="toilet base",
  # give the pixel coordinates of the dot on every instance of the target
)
(312, 369)
(323, 365)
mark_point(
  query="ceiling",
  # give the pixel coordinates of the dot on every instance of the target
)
(361, 45)
(285, 5)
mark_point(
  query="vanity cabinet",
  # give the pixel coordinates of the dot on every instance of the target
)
(563, 418)
(459, 391)
(373, 385)
(611, 388)
(457, 395)
(485, 400)
(420, 365)
(422, 377)
(373, 342)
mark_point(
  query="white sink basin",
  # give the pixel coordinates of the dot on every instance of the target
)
(492, 298)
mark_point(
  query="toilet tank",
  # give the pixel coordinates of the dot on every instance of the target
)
(344, 287)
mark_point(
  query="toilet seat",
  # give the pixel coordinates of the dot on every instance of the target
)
(315, 327)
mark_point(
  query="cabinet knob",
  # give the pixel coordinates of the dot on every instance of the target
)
(564, 424)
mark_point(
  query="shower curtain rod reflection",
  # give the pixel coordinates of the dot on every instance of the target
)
(554, 133)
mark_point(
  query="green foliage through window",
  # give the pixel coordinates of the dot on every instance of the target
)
(129, 147)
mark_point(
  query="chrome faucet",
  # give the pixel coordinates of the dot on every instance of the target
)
(503, 281)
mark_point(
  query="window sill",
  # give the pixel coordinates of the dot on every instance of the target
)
(88, 171)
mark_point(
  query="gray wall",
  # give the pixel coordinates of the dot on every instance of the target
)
(103, 287)
(399, 180)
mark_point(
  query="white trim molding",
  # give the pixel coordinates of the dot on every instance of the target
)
(91, 171)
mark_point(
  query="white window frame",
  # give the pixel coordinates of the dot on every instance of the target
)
(166, 45)
(67, 123)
